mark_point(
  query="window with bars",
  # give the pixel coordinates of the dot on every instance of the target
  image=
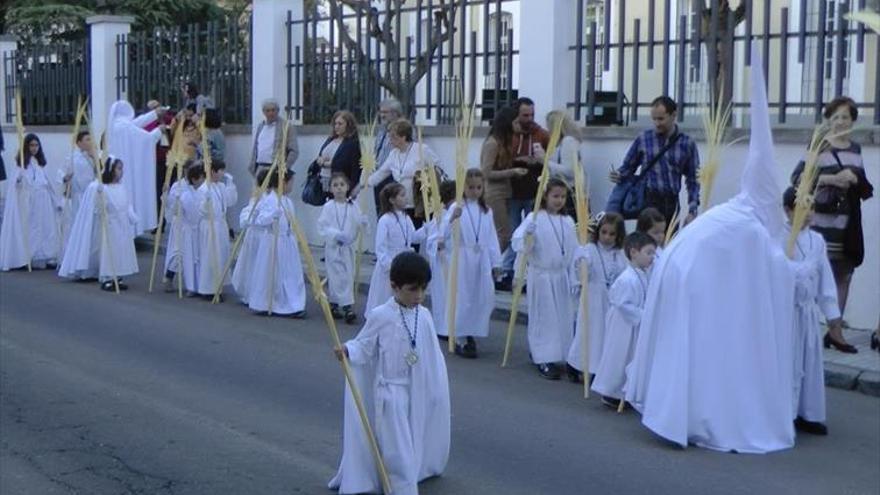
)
(504, 23)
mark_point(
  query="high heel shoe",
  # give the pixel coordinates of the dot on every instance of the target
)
(840, 346)
(875, 342)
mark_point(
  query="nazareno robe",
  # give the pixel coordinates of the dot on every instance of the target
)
(408, 406)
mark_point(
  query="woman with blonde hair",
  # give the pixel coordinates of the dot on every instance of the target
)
(562, 162)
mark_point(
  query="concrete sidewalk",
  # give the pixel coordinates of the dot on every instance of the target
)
(860, 372)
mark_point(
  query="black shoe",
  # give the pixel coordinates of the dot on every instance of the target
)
(122, 286)
(336, 312)
(840, 346)
(109, 286)
(548, 371)
(574, 375)
(611, 402)
(505, 284)
(811, 427)
(875, 342)
(444, 338)
(299, 315)
(468, 350)
(51, 266)
(348, 314)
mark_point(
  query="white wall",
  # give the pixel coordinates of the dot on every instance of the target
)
(598, 154)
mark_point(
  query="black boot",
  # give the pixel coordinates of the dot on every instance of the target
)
(348, 314)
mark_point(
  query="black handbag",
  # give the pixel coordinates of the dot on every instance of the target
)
(313, 191)
(628, 195)
(831, 200)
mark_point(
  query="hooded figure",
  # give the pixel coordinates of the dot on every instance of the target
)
(136, 147)
(713, 362)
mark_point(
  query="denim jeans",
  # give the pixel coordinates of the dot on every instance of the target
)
(517, 209)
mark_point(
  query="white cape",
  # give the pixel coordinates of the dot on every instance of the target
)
(128, 141)
(408, 406)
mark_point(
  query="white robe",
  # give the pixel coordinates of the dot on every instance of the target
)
(242, 274)
(338, 226)
(815, 293)
(713, 362)
(626, 300)
(83, 173)
(182, 214)
(478, 253)
(408, 406)
(604, 266)
(395, 234)
(96, 249)
(439, 259)
(214, 244)
(128, 141)
(288, 287)
(31, 229)
(551, 305)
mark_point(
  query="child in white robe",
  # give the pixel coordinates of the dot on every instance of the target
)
(400, 370)
(101, 241)
(79, 173)
(277, 285)
(605, 262)
(479, 262)
(217, 195)
(653, 223)
(437, 252)
(183, 213)
(815, 292)
(242, 273)
(551, 306)
(338, 224)
(31, 230)
(395, 234)
(627, 299)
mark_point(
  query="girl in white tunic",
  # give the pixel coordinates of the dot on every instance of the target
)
(605, 261)
(479, 261)
(183, 213)
(399, 368)
(550, 255)
(277, 285)
(339, 224)
(627, 299)
(31, 230)
(102, 238)
(653, 223)
(242, 274)
(815, 292)
(395, 234)
(217, 195)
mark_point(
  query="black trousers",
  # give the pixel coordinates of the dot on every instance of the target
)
(665, 202)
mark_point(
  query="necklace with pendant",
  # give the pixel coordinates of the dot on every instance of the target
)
(412, 357)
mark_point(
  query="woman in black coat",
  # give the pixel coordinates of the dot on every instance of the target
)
(341, 151)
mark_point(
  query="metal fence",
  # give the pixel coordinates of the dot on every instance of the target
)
(615, 79)
(51, 78)
(216, 56)
(329, 69)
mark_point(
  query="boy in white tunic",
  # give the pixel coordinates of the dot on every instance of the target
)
(277, 285)
(399, 367)
(218, 194)
(550, 255)
(182, 212)
(339, 224)
(814, 292)
(479, 263)
(437, 251)
(242, 274)
(77, 177)
(626, 299)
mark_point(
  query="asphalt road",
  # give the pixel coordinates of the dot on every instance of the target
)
(145, 393)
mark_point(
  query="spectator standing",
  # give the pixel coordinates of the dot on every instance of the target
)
(216, 139)
(341, 151)
(390, 110)
(496, 162)
(268, 138)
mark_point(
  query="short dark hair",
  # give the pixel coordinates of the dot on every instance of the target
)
(81, 134)
(191, 89)
(212, 118)
(194, 173)
(667, 103)
(789, 197)
(192, 107)
(522, 101)
(637, 240)
(838, 102)
(217, 165)
(409, 268)
(273, 179)
(447, 191)
(647, 218)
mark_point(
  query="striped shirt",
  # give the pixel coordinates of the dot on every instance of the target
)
(664, 177)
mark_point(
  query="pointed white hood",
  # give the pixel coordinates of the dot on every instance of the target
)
(759, 187)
